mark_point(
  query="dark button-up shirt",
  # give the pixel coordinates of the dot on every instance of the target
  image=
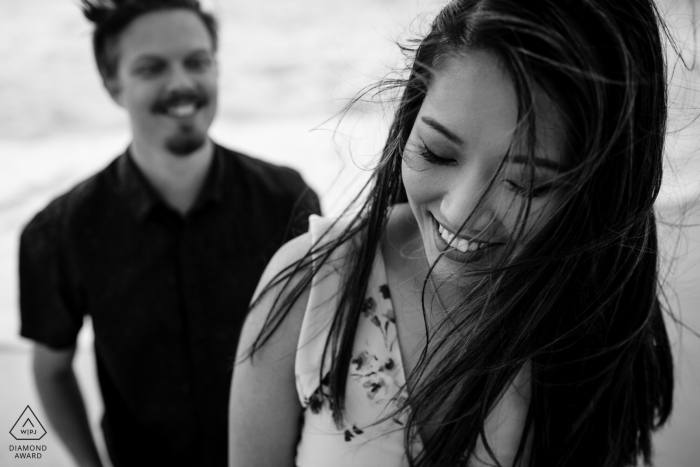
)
(167, 294)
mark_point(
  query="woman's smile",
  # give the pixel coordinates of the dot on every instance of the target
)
(459, 247)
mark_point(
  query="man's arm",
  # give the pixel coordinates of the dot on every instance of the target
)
(63, 402)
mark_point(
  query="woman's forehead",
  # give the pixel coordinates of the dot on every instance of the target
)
(473, 98)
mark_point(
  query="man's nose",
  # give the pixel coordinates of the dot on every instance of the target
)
(179, 79)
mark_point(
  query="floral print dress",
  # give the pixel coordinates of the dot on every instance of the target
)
(376, 383)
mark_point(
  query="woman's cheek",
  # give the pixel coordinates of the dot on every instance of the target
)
(416, 179)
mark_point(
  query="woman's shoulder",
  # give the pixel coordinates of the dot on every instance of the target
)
(299, 252)
(326, 230)
(292, 263)
(290, 253)
(283, 262)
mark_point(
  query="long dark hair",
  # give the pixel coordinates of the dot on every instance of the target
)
(581, 306)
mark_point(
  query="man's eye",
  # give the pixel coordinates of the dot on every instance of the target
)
(433, 158)
(150, 70)
(198, 64)
(528, 191)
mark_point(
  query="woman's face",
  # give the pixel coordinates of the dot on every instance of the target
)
(464, 129)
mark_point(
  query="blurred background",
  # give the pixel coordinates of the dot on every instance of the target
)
(287, 67)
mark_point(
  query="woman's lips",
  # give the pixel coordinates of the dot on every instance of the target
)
(454, 254)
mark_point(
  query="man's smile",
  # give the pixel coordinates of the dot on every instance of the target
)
(181, 105)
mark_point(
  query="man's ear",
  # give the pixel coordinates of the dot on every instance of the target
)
(114, 89)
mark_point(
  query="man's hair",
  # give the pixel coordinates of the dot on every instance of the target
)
(111, 17)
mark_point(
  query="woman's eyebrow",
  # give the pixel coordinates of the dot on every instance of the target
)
(439, 127)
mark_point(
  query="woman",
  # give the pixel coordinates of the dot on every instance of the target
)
(495, 300)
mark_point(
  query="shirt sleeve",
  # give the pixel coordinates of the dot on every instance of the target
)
(49, 308)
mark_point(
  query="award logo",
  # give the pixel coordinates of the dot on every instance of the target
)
(28, 427)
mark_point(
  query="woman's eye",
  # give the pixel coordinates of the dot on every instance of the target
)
(433, 158)
(531, 192)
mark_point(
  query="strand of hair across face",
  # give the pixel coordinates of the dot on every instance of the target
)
(434, 288)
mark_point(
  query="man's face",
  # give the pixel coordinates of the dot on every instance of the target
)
(166, 80)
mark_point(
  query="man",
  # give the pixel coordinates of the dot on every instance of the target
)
(163, 249)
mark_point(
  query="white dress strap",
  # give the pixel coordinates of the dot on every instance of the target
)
(323, 301)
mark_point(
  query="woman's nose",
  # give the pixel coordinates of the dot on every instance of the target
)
(466, 199)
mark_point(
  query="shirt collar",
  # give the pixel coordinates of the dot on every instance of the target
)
(213, 188)
(143, 198)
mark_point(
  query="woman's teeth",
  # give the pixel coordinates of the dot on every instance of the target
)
(459, 243)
